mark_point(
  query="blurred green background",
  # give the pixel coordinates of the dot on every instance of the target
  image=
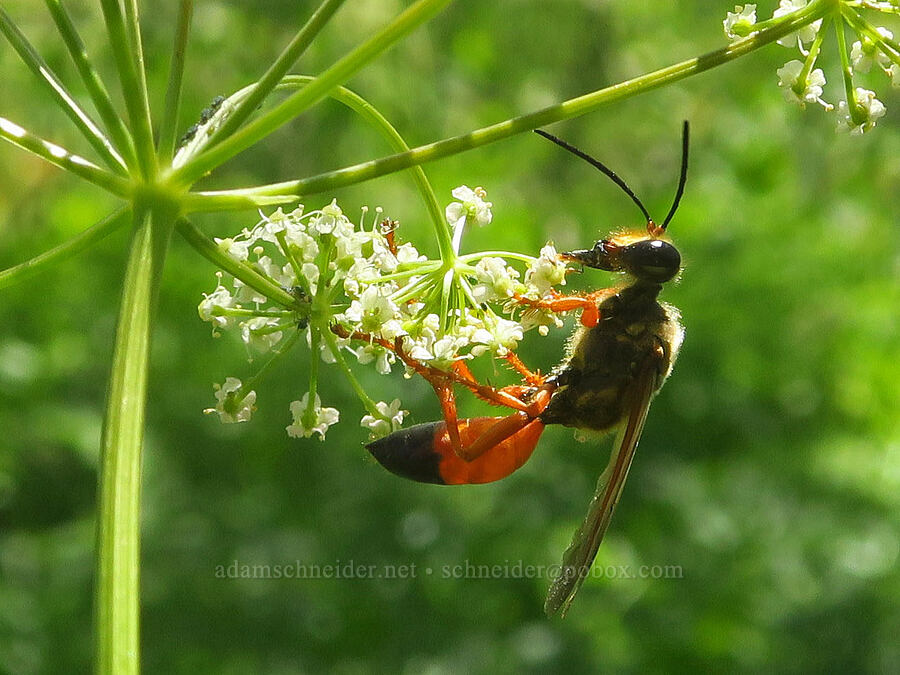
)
(769, 471)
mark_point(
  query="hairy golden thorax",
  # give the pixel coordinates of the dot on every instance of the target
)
(595, 380)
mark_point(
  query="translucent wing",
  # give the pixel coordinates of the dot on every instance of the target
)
(579, 557)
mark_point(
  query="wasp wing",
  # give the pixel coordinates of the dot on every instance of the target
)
(579, 557)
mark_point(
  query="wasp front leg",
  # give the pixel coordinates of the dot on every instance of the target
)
(555, 302)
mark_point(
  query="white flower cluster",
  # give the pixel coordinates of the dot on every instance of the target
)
(232, 403)
(802, 83)
(359, 293)
(309, 420)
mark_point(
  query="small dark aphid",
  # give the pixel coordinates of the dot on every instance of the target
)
(205, 116)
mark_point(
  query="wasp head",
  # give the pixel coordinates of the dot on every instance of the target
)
(647, 258)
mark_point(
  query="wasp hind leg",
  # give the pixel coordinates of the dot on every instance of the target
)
(495, 434)
(472, 450)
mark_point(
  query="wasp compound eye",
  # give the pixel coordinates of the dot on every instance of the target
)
(651, 260)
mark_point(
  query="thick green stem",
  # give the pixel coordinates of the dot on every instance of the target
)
(231, 200)
(118, 531)
(575, 107)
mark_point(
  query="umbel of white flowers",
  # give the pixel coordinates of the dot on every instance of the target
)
(358, 282)
(802, 83)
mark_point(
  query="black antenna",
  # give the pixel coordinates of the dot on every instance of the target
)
(605, 169)
(685, 133)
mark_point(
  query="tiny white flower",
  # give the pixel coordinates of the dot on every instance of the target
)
(802, 36)
(471, 207)
(371, 311)
(418, 351)
(812, 93)
(326, 354)
(350, 245)
(541, 319)
(219, 299)
(431, 323)
(865, 53)
(235, 248)
(327, 219)
(322, 418)
(392, 329)
(283, 275)
(869, 107)
(311, 274)
(247, 294)
(275, 223)
(506, 335)
(231, 406)
(361, 273)
(495, 279)
(894, 72)
(304, 246)
(738, 24)
(407, 253)
(381, 259)
(382, 357)
(251, 336)
(379, 427)
(547, 271)
(444, 352)
(438, 353)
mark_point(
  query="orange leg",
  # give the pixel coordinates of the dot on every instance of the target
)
(535, 379)
(555, 302)
(500, 431)
(509, 397)
(442, 382)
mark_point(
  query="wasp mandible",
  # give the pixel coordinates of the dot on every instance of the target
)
(616, 361)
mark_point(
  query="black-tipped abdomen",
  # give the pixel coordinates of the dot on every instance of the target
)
(410, 453)
(425, 453)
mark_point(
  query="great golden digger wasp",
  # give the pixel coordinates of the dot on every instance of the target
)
(617, 359)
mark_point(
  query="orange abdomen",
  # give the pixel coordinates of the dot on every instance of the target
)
(424, 452)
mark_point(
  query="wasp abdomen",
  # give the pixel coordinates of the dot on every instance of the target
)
(424, 452)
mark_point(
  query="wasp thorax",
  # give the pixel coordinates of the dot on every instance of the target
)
(651, 260)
